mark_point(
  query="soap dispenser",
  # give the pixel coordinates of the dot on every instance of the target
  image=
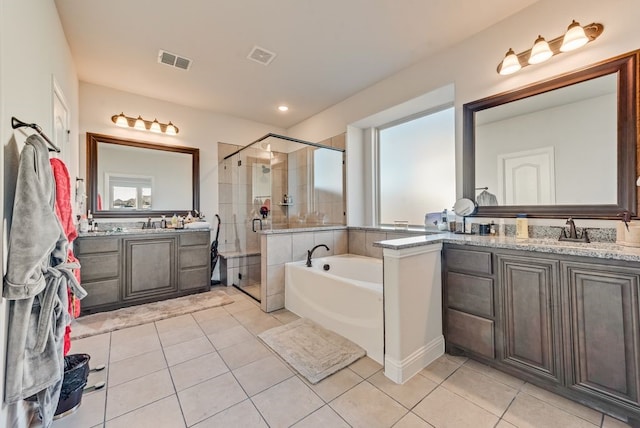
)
(174, 221)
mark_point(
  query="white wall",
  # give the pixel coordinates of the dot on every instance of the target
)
(33, 51)
(198, 128)
(471, 65)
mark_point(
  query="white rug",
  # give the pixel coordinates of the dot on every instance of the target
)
(312, 350)
(104, 322)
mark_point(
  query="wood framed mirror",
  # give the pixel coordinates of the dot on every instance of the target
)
(130, 178)
(557, 148)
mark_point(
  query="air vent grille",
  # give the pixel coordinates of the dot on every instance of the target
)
(173, 60)
(261, 55)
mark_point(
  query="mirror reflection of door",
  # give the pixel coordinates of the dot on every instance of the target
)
(527, 177)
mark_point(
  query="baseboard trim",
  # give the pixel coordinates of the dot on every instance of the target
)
(402, 371)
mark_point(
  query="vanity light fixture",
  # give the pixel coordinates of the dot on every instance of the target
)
(575, 37)
(144, 125)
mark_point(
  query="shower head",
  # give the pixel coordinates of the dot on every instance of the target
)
(265, 170)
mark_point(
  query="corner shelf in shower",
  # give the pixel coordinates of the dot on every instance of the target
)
(283, 204)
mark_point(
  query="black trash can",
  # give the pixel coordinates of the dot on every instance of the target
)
(76, 372)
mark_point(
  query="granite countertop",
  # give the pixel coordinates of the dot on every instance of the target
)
(604, 250)
(137, 231)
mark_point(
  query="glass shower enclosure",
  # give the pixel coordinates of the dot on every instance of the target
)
(275, 183)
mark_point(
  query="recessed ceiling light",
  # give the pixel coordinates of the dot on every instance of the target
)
(283, 108)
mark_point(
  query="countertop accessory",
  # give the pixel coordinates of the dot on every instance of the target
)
(464, 207)
(573, 234)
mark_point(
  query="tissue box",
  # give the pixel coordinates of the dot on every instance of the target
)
(628, 237)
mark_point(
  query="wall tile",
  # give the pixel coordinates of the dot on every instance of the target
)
(275, 279)
(275, 302)
(357, 242)
(279, 249)
(301, 243)
(325, 238)
(371, 237)
(340, 242)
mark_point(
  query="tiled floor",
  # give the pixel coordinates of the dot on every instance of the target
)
(207, 369)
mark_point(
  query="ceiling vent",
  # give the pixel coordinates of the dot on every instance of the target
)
(261, 55)
(173, 60)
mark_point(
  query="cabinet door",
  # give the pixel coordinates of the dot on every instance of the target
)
(603, 340)
(529, 289)
(150, 267)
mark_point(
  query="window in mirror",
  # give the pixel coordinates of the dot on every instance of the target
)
(128, 192)
(416, 167)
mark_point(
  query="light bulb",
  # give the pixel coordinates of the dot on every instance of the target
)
(171, 129)
(540, 52)
(574, 38)
(510, 64)
(140, 124)
(121, 120)
(155, 126)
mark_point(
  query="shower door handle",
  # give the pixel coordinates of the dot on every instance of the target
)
(253, 224)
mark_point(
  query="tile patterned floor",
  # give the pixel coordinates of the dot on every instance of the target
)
(208, 369)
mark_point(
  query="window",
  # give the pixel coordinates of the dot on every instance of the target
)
(128, 192)
(416, 167)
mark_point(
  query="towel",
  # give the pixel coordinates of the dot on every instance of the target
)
(65, 215)
(198, 225)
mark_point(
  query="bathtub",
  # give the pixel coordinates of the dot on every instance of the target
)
(346, 298)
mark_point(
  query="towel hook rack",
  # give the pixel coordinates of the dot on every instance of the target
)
(16, 123)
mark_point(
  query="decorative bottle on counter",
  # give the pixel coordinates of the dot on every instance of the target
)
(522, 226)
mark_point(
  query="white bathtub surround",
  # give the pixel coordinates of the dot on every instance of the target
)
(413, 310)
(346, 299)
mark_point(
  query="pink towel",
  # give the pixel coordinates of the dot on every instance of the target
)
(65, 215)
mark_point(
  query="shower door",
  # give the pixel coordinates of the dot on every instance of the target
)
(252, 209)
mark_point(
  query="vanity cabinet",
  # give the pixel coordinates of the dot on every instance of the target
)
(470, 300)
(100, 270)
(150, 267)
(603, 334)
(531, 327)
(567, 323)
(130, 269)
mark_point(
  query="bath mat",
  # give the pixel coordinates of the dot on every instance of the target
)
(104, 322)
(312, 350)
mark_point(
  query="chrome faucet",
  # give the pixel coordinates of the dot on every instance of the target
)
(573, 234)
(310, 253)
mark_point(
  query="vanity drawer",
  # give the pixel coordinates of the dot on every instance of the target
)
(194, 278)
(471, 333)
(101, 292)
(96, 245)
(194, 238)
(194, 257)
(99, 266)
(470, 293)
(469, 261)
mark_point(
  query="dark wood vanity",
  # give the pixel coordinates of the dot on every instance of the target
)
(569, 324)
(127, 269)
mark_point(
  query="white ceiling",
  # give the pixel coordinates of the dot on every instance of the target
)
(327, 50)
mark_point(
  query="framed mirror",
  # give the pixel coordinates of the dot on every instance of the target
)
(558, 148)
(128, 178)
